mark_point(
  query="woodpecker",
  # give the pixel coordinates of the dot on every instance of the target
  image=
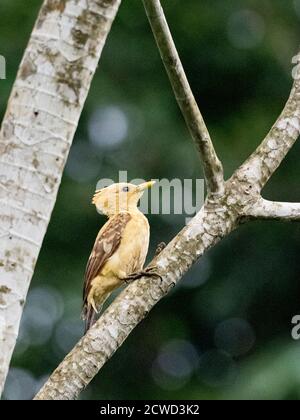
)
(120, 248)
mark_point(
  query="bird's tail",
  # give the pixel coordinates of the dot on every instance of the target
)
(90, 318)
(89, 315)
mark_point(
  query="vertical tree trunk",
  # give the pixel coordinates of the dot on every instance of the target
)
(37, 131)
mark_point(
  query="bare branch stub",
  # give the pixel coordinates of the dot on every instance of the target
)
(213, 169)
(273, 210)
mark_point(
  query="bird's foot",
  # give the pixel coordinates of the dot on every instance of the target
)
(147, 272)
(160, 247)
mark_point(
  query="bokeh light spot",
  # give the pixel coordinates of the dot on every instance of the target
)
(108, 127)
(235, 336)
(175, 364)
(217, 369)
(246, 29)
(44, 307)
(67, 333)
(20, 385)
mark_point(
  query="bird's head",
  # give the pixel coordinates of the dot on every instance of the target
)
(119, 197)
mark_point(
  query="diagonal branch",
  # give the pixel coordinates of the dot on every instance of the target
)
(212, 166)
(273, 210)
(262, 164)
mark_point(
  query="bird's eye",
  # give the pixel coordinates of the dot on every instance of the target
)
(126, 189)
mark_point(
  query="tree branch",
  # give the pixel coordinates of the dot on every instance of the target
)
(268, 156)
(37, 131)
(212, 166)
(273, 210)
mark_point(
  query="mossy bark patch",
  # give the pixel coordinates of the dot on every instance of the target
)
(79, 37)
(55, 5)
(49, 7)
(4, 289)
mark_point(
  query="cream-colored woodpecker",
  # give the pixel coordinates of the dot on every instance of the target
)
(120, 248)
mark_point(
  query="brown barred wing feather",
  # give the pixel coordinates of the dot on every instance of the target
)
(106, 244)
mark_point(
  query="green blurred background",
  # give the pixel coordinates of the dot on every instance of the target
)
(225, 331)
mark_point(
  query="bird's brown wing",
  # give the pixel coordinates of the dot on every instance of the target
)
(107, 242)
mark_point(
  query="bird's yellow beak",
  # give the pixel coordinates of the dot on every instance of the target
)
(145, 186)
(95, 196)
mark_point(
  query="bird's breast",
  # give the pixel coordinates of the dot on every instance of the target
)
(131, 254)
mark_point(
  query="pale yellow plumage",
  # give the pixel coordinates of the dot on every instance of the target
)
(121, 246)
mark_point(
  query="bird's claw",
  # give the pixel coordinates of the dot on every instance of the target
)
(160, 247)
(148, 272)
